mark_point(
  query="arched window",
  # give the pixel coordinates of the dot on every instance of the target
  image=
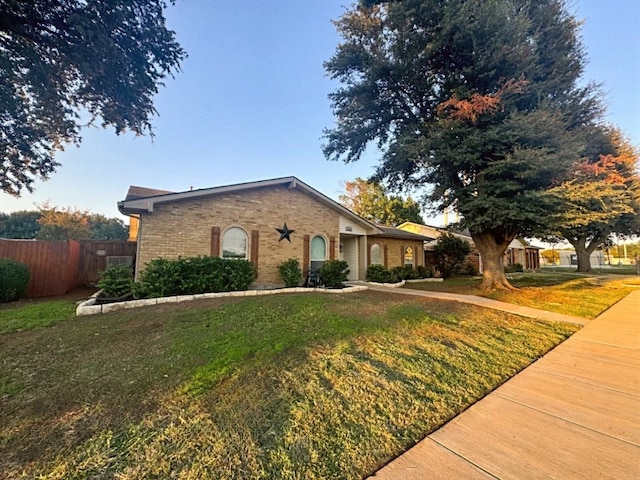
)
(408, 256)
(318, 251)
(234, 244)
(376, 254)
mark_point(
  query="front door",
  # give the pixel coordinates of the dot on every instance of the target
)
(349, 253)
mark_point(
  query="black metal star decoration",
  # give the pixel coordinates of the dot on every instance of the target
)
(285, 232)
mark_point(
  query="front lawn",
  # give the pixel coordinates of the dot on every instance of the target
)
(584, 296)
(289, 386)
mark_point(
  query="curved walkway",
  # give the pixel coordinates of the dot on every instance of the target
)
(484, 302)
(573, 414)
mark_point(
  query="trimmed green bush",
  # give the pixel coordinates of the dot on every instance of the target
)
(290, 272)
(468, 268)
(14, 280)
(423, 272)
(378, 273)
(516, 267)
(193, 275)
(116, 281)
(334, 273)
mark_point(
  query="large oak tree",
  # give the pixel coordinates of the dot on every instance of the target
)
(60, 59)
(476, 100)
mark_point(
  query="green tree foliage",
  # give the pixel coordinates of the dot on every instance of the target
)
(476, 100)
(450, 253)
(21, 225)
(63, 223)
(601, 195)
(60, 58)
(371, 201)
(103, 228)
(57, 223)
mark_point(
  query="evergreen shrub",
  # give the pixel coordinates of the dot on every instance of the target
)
(116, 281)
(14, 280)
(194, 275)
(290, 272)
(378, 273)
(516, 267)
(334, 273)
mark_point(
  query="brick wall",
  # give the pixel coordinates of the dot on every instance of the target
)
(395, 250)
(184, 228)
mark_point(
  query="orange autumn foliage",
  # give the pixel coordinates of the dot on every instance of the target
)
(471, 109)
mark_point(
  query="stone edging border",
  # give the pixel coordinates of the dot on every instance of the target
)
(403, 282)
(89, 307)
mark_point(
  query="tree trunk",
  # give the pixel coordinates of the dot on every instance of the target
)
(584, 251)
(492, 246)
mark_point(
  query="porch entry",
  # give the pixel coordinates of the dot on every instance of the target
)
(350, 253)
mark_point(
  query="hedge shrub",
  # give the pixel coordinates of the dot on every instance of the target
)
(334, 273)
(290, 272)
(116, 281)
(14, 280)
(380, 274)
(516, 267)
(194, 275)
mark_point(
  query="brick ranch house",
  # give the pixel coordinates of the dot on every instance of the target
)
(266, 222)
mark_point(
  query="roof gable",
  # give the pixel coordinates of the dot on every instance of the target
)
(146, 204)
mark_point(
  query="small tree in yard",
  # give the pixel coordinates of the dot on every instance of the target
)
(450, 253)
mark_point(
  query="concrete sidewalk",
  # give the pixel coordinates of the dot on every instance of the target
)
(573, 414)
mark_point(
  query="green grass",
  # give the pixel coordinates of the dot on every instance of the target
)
(290, 386)
(26, 315)
(572, 294)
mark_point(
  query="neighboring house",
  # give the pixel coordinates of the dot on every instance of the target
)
(569, 258)
(518, 251)
(266, 222)
(435, 232)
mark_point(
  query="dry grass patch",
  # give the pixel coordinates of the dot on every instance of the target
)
(294, 387)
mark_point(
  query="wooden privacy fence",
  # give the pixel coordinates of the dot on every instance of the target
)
(53, 265)
(60, 266)
(94, 254)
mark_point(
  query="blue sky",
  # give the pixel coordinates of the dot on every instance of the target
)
(251, 103)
